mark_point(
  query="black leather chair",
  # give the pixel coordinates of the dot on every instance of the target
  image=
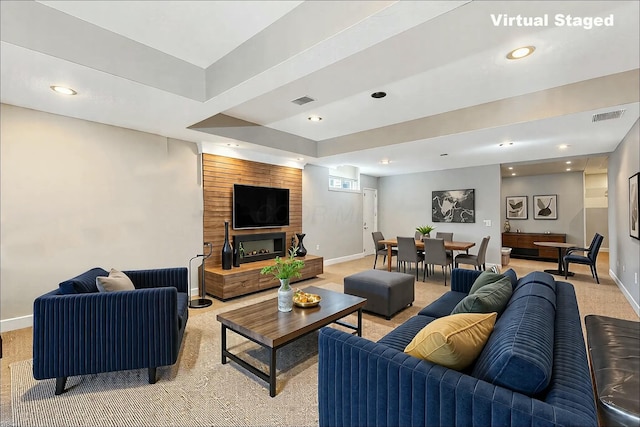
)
(381, 249)
(588, 259)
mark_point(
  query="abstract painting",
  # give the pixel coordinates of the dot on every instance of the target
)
(545, 207)
(634, 208)
(517, 207)
(453, 206)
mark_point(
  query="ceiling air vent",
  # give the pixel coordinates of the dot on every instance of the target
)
(607, 116)
(303, 100)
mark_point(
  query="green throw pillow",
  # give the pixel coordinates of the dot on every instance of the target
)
(490, 298)
(485, 278)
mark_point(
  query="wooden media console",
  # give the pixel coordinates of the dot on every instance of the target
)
(246, 279)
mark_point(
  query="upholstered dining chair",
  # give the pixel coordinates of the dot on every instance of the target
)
(588, 259)
(381, 249)
(478, 261)
(408, 253)
(435, 254)
(447, 237)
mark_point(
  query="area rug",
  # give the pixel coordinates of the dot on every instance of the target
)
(197, 391)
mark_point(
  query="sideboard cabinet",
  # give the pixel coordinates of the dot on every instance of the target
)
(523, 247)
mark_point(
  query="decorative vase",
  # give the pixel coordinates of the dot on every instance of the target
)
(285, 296)
(227, 250)
(236, 256)
(302, 251)
(507, 226)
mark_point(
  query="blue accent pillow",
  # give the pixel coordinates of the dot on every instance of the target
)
(84, 283)
(519, 353)
(512, 276)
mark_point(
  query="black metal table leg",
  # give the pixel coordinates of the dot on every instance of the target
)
(272, 373)
(224, 343)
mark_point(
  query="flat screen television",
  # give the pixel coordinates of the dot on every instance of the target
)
(260, 207)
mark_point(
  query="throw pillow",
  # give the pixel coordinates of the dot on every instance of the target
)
(485, 278)
(453, 341)
(489, 298)
(116, 281)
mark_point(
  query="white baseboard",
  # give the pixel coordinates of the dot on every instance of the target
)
(16, 323)
(623, 289)
(343, 259)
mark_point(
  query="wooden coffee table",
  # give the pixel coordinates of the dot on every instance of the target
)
(263, 324)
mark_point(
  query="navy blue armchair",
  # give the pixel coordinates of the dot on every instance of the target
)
(78, 330)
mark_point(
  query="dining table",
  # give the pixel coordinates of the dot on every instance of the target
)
(448, 245)
(562, 247)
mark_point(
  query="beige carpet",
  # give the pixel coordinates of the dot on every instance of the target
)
(197, 391)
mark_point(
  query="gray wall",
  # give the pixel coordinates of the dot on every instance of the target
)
(78, 194)
(404, 203)
(331, 219)
(624, 251)
(569, 188)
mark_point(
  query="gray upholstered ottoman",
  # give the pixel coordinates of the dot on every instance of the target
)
(386, 292)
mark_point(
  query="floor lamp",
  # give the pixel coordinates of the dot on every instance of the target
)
(203, 301)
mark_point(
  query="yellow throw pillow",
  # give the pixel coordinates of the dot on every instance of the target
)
(117, 281)
(453, 341)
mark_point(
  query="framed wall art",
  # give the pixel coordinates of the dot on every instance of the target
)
(453, 206)
(545, 207)
(634, 207)
(517, 207)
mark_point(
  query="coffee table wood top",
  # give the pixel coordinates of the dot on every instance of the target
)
(263, 323)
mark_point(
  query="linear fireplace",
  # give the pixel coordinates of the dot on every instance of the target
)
(256, 247)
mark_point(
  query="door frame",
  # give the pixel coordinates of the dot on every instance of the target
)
(366, 237)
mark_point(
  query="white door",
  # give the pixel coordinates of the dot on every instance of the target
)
(369, 219)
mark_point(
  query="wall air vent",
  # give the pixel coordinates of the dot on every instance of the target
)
(607, 116)
(303, 100)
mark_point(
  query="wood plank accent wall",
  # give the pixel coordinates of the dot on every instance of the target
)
(219, 175)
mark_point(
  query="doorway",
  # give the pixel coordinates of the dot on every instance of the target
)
(369, 219)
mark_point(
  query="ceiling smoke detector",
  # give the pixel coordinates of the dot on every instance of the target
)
(303, 100)
(607, 116)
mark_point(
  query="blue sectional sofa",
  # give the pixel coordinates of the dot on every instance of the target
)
(78, 330)
(532, 371)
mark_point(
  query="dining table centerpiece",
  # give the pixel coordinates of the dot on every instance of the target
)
(284, 269)
(425, 230)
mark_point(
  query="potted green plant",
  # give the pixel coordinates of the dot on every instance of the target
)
(284, 270)
(425, 230)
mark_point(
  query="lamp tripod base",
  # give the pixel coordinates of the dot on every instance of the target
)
(200, 303)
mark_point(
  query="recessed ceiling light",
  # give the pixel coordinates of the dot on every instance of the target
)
(63, 90)
(385, 161)
(510, 168)
(315, 118)
(300, 159)
(568, 169)
(563, 146)
(513, 174)
(568, 162)
(443, 154)
(378, 95)
(521, 52)
(505, 144)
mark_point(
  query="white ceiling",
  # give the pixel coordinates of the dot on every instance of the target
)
(231, 68)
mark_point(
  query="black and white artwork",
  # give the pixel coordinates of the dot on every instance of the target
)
(453, 206)
(545, 207)
(634, 224)
(517, 207)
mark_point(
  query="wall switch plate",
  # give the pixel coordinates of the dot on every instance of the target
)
(635, 277)
(317, 247)
(487, 223)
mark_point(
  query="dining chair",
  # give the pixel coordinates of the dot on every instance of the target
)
(588, 259)
(447, 237)
(478, 261)
(435, 254)
(381, 248)
(408, 253)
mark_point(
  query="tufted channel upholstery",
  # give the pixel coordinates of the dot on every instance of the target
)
(89, 332)
(532, 372)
